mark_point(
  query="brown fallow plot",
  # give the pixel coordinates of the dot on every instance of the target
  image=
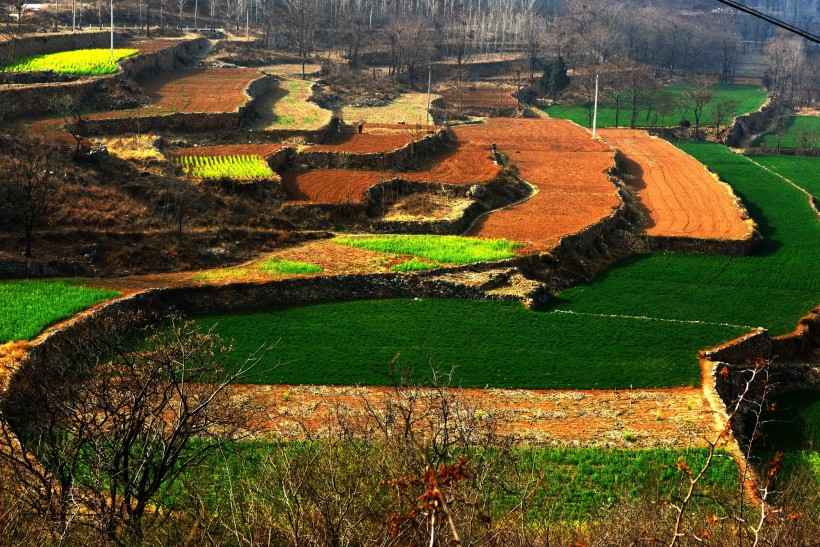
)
(465, 163)
(567, 169)
(481, 96)
(201, 90)
(152, 46)
(374, 139)
(602, 418)
(680, 197)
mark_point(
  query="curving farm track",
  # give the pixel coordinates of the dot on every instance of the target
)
(679, 195)
(568, 170)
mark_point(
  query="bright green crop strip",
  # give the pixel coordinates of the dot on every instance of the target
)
(239, 167)
(749, 98)
(772, 288)
(280, 266)
(798, 132)
(27, 307)
(498, 344)
(452, 249)
(84, 62)
(804, 171)
(576, 484)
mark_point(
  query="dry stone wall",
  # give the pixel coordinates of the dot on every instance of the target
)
(791, 362)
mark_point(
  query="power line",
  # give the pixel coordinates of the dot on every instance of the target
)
(768, 18)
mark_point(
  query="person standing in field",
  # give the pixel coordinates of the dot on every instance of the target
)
(361, 126)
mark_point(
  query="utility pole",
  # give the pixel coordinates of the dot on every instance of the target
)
(112, 29)
(595, 108)
(429, 79)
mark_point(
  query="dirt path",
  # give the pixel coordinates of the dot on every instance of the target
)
(567, 167)
(679, 195)
(603, 418)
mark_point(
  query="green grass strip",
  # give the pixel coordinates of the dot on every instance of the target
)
(497, 344)
(83, 62)
(452, 249)
(27, 307)
(577, 483)
(279, 266)
(236, 167)
(798, 132)
(748, 97)
(802, 170)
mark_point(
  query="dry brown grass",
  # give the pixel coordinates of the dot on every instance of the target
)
(136, 148)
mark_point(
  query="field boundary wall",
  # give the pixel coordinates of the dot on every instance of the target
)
(791, 362)
(746, 127)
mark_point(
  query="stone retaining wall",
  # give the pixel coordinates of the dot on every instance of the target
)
(747, 126)
(731, 247)
(791, 362)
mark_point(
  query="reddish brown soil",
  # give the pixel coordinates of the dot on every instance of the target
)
(152, 46)
(680, 197)
(651, 418)
(568, 170)
(200, 90)
(482, 97)
(335, 258)
(263, 150)
(466, 163)
(373, 140)
(330, 185)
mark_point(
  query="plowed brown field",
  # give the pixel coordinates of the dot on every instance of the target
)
(200, 90)
(486, 96)
(330, 185)
(680, 196)
(465, 163)
(568, 170)
(651, 418)
(263, 150)
(373, 140)
(152, 46)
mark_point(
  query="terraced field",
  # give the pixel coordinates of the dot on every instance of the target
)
(289, 108)
(749, 98)
(801, 170)
(27, 307)
(410, 108)
(638, 324)
(199, 90)
(568, 170)
(798, 132)
(680, 196)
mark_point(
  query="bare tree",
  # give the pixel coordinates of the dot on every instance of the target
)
(694, 97)
(301, 24)
(28, 185)
(94, 440)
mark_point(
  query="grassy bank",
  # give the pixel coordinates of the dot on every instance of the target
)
(27, 307)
